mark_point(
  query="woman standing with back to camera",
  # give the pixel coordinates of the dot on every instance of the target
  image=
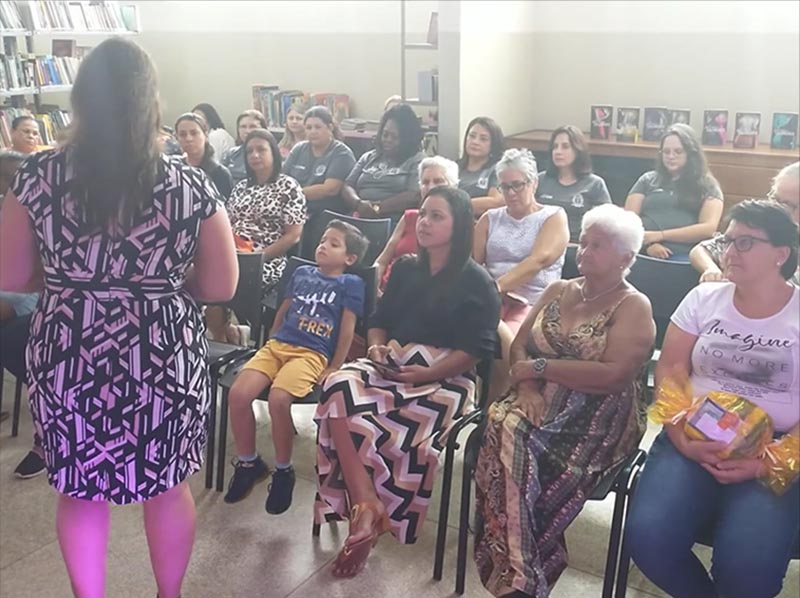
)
(117, 359)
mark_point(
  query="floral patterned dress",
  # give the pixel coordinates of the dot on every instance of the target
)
(532, 482)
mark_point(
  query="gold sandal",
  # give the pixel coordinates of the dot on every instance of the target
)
(352, 558)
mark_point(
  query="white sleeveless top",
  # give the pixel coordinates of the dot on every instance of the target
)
(510, 241)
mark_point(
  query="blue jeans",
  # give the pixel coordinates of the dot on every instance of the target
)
(754, 532)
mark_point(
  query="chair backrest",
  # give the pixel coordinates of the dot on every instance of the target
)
(666, 284)
(13, 340)
(570, 268)
(246, 302)
(377, 231)
(368, 274)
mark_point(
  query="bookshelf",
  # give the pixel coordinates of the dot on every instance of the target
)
(40, 55)
(427, 81)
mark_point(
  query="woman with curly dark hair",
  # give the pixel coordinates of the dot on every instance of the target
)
(385, 180)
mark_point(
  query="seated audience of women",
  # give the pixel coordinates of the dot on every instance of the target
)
(706, 256)
(383, 420)
(680, 202)
(434, 171)
(294, 130)
(570, 182)
(234, 158)
(740, 337)
(574, 410)
(192, 133)
(267, 211)
(321, 163)
(483, 146)
(385, 180)
(219, 137)
(522, 246)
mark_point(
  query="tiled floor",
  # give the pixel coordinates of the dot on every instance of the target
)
(241, 552)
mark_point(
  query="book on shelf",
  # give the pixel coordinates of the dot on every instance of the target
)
(433, 29)
(16, 72)
(56, 70)
(78, 16)
(656, 121)
(784, 130)
(600, 121)
(680, 116)
(337, 103)
(10, 17)
(748, 126)
(263, 101)
(628, 124)
(284, 100)
(715, 127)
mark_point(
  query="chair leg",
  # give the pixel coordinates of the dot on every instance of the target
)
(15, 415)
(212, 430)
(223, 439)
(463, 529)
(624, 557)
(613, 542)
(444, 506)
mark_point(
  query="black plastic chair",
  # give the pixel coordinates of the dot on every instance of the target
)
(483, 373)
(570, 269)
(232, 369)
(13, 341)
(666, 284)
(377, 230)
(246, 304)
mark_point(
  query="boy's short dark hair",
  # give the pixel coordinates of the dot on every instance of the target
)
(354, 240)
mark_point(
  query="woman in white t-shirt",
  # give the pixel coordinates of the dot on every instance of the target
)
(742, 337)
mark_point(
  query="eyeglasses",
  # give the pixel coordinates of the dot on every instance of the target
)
(516, 186)
(742, 243)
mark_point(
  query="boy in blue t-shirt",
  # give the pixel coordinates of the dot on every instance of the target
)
(310, 337)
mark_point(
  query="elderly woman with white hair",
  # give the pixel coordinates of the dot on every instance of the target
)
(434, 171)
(706, 256)
(574, 410)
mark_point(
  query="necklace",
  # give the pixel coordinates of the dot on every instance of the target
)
(606, 292)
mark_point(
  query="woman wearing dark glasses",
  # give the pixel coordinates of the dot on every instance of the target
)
(706, 256)
(742, 337)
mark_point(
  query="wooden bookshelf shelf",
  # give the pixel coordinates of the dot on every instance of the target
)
(84, 32)
(54, 88)
(19, 91)
(15, 32)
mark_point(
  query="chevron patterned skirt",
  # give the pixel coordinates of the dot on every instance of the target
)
(399, 431)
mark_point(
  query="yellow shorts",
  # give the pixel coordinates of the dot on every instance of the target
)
(293, 369)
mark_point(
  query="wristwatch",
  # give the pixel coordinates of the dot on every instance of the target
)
(538, 366)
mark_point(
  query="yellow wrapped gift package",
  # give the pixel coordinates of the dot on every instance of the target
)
(742, 426)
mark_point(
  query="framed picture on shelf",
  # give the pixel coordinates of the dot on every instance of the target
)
(600, 123)
(784, 130)
(656, 121)
(748, 126)
(628, 124)
(715, 127)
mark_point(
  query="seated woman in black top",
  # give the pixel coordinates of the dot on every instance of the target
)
(438, 316)
(192, 132)
(680, 202)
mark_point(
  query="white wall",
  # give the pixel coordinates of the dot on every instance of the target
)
(214, 51)
(739, 56)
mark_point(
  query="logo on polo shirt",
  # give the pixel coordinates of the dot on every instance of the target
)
(483, 182)
(577, 200)
(320, 170)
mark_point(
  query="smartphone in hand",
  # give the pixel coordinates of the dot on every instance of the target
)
(390, 366)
